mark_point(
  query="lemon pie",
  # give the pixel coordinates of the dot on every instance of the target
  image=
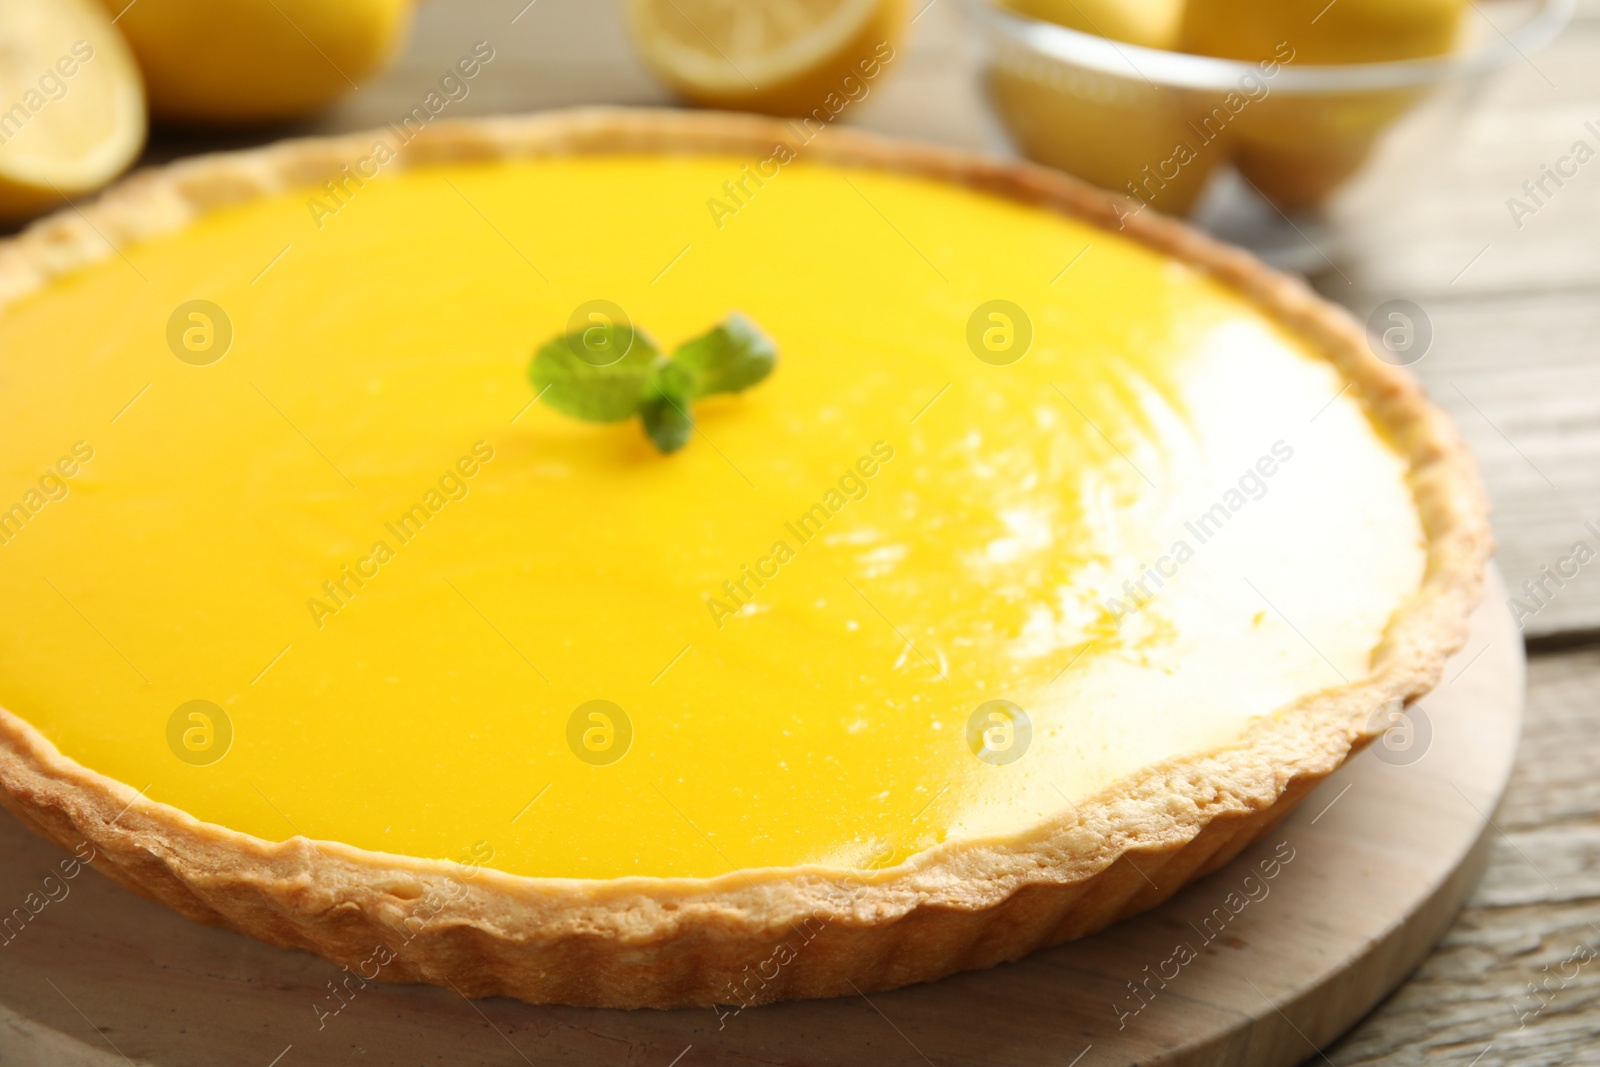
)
(1062, 552)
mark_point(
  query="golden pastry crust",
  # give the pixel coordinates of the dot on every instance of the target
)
(758, 935)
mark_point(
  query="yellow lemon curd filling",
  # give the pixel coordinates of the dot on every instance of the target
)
(393, 584)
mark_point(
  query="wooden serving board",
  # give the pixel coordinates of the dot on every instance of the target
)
(1262, 963)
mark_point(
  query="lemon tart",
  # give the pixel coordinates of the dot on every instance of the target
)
(1062, 552)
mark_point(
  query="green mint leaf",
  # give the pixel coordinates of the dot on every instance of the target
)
(731, 357)
(667, 421)
(600, 375)
(672, 379)
(610, 373)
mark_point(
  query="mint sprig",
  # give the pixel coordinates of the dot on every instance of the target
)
(582, 375)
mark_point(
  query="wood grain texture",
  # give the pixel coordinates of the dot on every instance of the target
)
(1514, 358)
(1514, 301)
(1286, 946)
(1511, 975)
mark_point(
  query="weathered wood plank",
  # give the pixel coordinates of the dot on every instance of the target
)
(1429, 209)
(1516, 313)
(1533, 920)
(1520, 374)
(1515, 308)
(1514, 348)
(1514, 359)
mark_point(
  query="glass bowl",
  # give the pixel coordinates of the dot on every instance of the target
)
(1155, 125)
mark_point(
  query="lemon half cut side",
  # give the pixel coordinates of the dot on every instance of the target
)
(783, 57)
(71, 103)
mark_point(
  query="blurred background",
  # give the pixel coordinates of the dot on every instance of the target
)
(1428, 164)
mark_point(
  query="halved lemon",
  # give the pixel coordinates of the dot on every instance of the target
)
(783, 57)
(71, 103)
(210, 62)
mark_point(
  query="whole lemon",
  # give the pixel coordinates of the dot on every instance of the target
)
(1151, 23)
(1346, 31)
(1297, 149)
(221, 61)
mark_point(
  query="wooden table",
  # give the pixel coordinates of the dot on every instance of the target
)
(1515, 312)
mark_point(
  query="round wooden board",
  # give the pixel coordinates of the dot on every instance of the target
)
(1240, 968)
